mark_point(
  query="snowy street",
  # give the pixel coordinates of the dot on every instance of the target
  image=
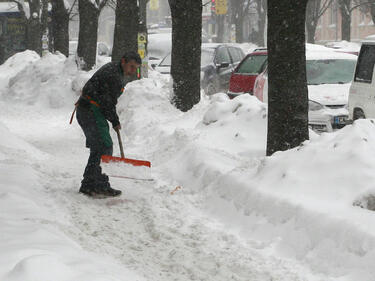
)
(218, 209)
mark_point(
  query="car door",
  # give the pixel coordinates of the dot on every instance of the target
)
(224, 67)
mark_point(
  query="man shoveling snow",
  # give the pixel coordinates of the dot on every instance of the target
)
(96, 105)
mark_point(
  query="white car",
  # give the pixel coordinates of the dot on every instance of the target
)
(329, 75)
(101, 48)
(159, 45)
(362, 90)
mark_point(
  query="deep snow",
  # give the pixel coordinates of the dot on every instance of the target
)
(218, 209)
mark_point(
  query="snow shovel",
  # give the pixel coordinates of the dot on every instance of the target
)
(134, 169)
(134, 162)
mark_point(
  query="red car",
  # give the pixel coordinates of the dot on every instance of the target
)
(243, 77)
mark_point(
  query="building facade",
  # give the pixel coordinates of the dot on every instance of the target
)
(329, 25)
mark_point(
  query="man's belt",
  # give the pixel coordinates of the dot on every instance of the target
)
(90, 100)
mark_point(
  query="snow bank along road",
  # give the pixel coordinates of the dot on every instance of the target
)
(236, 216)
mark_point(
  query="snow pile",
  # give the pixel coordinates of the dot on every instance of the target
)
(16, 64)
(51, 81)
(299, 203)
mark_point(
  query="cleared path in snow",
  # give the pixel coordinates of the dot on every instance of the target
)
(159, 235)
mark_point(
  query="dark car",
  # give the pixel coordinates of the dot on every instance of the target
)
(217, 63)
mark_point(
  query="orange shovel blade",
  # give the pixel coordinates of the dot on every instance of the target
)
(134, 162)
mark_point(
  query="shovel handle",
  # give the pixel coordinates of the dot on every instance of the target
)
(120, 143)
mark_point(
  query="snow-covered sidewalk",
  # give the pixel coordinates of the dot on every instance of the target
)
(236, 216)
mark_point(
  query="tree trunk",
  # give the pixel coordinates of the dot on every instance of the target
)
(239, 28)
(346, 15)
(44, 26)
(186, 52)
(88, 34)
(60, 27)
(287, 87)
(126, 28)
(311, 29)
(261, 9)
(312, 17)
(220, 28)
(237, 19)
(372, 11)
(143, 29)
(34, 28)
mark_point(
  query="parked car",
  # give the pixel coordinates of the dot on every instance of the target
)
(243, 77)
(160, 44)
(101, 48)
(329, 74)
(362, 90)
(217, 63)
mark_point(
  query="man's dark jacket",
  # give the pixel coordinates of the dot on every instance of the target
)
(105, 87)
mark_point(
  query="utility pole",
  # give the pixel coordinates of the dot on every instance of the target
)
(142, 37)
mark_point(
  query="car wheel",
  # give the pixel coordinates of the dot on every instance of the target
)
(358, 114)
(211, 88)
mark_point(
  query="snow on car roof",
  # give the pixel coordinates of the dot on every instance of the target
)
(344, 46)
(212, 45)
(330, 54)
(315, 52)
(8, 7)
(215, 45)
(369, 39)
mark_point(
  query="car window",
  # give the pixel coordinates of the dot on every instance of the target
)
(365, 66)
(253, 64)
(222, 56)
(207, 57)
(241, 54)
(167, 61)
(235, 54)
(332, 71)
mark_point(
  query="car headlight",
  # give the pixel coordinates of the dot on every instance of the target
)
(315, 106)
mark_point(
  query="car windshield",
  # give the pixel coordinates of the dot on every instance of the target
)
(166, 61)
(206, 58)
(330, 71)
(252, 64)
